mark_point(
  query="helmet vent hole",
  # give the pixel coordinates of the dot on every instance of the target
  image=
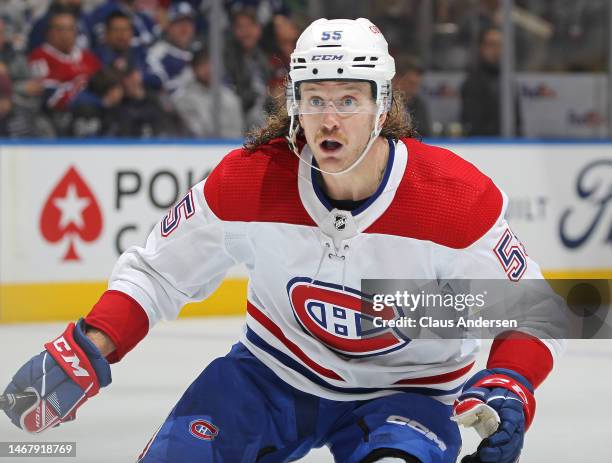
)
(373, 58)
(315, 71)
(301, 60)
(340, 70)
(360, 58)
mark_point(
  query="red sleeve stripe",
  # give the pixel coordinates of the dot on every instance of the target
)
(439, 379)
(122, 319)
(523, 353)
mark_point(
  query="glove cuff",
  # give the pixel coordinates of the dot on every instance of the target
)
(74, 358)
(98, 362)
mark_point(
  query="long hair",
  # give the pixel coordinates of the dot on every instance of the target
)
(397, 125)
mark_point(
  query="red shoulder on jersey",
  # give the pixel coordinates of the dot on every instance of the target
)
(257, 187)
(442, 198)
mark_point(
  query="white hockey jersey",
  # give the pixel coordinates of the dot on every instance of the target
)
(434, 216)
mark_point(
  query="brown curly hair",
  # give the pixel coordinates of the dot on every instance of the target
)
(397, 125)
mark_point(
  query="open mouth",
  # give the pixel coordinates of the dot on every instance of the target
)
(330, 146)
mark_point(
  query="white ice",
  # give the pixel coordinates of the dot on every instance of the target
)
(573, 420)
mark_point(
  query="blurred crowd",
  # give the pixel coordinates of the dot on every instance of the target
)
(137, 68)
(142, 68)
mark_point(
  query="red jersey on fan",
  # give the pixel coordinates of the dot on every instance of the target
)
(64, 75)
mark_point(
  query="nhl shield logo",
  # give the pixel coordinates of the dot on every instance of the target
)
(342, 319)
(340, 222)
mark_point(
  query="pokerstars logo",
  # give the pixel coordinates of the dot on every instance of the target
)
(71, 213)
(343, 318)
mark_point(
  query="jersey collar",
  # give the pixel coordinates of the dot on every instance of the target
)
(320, 209)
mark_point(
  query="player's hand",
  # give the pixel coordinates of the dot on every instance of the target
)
(500, 406)
(69, 371)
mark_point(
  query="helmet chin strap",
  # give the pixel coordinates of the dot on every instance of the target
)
(292, 140)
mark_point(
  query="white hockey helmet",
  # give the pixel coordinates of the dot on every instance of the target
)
(344, 49)
(340, 49)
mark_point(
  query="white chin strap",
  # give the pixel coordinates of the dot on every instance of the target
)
(292, 139)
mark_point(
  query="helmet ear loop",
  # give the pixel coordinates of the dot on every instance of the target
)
(294, 128)
(384, 104)
(382, 108)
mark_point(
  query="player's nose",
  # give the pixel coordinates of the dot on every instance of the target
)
(330, 119)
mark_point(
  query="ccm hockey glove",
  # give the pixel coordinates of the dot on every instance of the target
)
(499, 404)
(70, 370)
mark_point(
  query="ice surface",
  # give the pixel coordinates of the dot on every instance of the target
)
(572, 421)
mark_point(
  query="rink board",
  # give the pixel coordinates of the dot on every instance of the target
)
(67, 210)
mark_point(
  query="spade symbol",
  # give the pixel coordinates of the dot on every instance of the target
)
(71, 210)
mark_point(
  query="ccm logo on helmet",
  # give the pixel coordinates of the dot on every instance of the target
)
(343, 320)
(203, 429)
(327, 57)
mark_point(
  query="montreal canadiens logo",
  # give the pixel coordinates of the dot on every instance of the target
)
(343, 320)
(203, 429)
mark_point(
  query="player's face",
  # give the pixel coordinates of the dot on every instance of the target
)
(337, 118)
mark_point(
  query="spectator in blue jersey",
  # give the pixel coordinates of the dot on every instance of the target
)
(38, 32)
(194, 104)
(169, 59)
(145, 29)
(247, 66)
(202, 9)
(117, 50)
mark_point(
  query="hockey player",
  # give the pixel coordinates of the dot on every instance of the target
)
(351, 195)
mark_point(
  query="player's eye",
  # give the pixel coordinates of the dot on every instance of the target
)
(347, 103)
(315, 101)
